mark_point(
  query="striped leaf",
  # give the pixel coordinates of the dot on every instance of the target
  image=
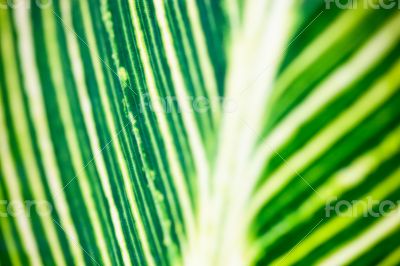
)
(257, 132)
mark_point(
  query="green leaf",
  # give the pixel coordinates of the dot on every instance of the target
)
(199, 133)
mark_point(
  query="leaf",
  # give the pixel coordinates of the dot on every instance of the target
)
(199, 133)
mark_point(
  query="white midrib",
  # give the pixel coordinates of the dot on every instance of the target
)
(223, 230)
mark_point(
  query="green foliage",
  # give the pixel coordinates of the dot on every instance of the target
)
(199, 133)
